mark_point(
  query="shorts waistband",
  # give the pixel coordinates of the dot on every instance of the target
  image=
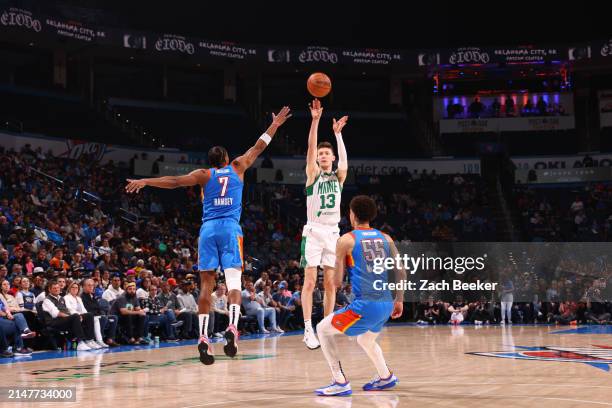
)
(324, 226)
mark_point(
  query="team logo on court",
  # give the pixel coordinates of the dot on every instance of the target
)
(596, 356)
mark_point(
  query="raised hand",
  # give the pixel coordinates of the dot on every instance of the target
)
(316, 110)
(134, 186)
(339, 124)
(280, 117)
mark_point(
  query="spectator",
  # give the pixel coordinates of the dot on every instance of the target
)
(541, 106)
(131, 316)
(143, 291)
(458, 310)
(284, 300)
(476, 108)
(8, 327)
(577, 205)
(57, 262)
(16, 283)
(157, 314)
(41, 261)
(507, 298)
(254, 306)
(496, 107)
(25, 298)
(170, 300)
(107, 323)
(189, 307)
(431, 312)
(567, 313)
(57, 316)
(219, 307)
(74, 304)
(341, 299)
(114, 290)
(39, 282)
(12, 311)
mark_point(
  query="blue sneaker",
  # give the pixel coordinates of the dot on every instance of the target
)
(381, 384)
(335, 390)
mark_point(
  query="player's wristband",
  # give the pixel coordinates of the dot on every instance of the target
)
(338, 134)
(266, 138)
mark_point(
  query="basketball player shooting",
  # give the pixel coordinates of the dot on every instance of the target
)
(366, 315)
(323, 193)
(220, 241)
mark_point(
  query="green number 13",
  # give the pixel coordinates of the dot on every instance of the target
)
(332, 201)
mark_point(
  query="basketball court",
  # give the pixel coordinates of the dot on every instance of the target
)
(465, 366)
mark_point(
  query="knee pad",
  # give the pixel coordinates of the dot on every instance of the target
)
(233, 279)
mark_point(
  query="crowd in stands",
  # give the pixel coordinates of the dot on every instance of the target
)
(477, 109)
(82, 261)
(84, 265)
(582, 213)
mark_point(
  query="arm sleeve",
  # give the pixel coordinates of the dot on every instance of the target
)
(342, 157)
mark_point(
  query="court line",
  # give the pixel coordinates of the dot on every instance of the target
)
(437, 382)
(480, 396)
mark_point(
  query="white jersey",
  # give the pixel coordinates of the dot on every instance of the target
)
(323, 200)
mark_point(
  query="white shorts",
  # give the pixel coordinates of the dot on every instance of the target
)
(319, 245)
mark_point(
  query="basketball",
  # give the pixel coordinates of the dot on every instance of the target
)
(318, 84)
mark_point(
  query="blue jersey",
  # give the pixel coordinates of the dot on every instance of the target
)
(222, 195)
(370, 244)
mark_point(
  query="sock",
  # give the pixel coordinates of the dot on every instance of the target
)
(203, 319)
(307, 324)
(368, 343)
(337, 372)
(234, 314)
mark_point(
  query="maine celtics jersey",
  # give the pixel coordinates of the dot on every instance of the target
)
(323, 200)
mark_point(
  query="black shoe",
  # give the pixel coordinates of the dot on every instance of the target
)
(205, 358)
(6, 354)
(230, 348)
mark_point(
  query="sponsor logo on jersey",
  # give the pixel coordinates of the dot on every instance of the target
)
(596, 356)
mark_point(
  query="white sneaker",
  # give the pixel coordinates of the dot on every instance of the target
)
(311, 339)
(83, 346)
(92, 344)
(101, 344)
(277, 330)
(264, 331)
(335, 389)
(218, 335)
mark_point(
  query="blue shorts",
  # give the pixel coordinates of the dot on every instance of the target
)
(220, 244)
(362, 316)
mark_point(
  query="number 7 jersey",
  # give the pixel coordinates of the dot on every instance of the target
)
(222, 195)
(323, 200)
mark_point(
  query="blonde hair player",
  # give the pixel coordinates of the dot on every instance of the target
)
(321, 232)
